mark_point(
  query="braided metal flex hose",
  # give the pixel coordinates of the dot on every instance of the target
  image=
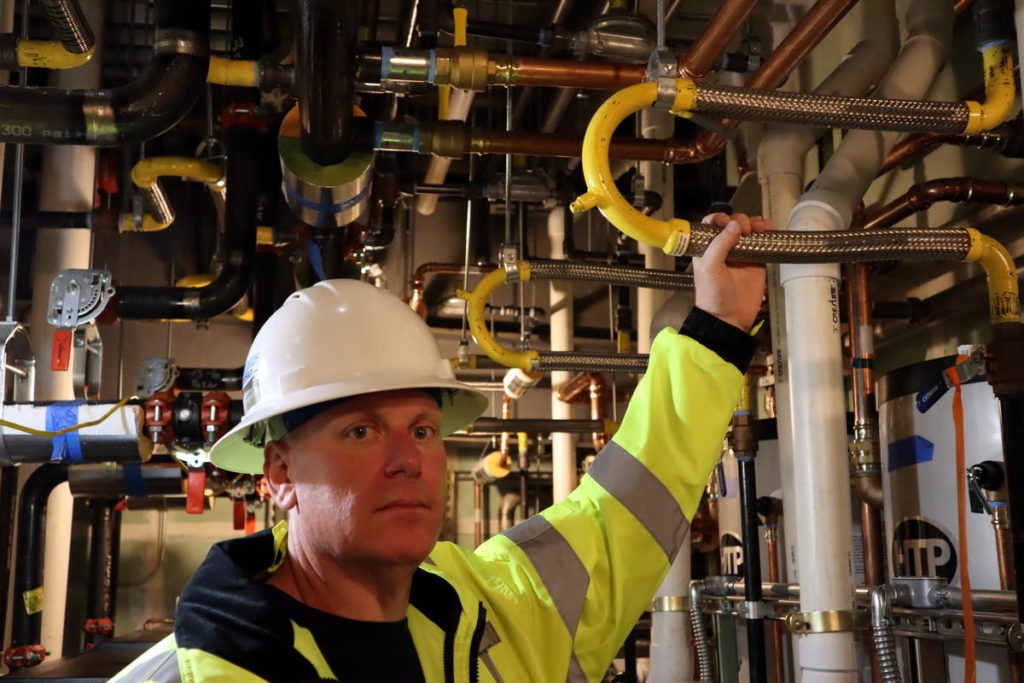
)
(842, 246)
(882, 634)
(621, 276)
(705, 668)
(832, 111)
(571, 361)
(70, 24)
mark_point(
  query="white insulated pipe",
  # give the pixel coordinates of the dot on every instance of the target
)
(563, 446)
(671, 656)
(814, 362)
(458, 109)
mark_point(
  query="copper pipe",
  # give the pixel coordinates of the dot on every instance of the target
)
(922, 196)
(562, 73)
(478, 514)
(506, 437)
(419, 277)
(771, 541)
(572, 392)
(1007, 578)
(703, 54)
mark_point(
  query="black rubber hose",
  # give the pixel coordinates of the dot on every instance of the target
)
(209, 379)
(245, 163)
(490, 425)
(26, 629)
(325, 43)
(8, 497)
(147, 107)
(993, 23)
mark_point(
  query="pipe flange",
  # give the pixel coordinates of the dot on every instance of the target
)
(670, 603)
(828, 621)
(322, 196)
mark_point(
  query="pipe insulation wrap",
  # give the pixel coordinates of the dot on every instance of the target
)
(865, 113)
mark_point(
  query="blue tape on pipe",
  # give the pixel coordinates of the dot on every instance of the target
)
(61, 415)
(134, 482)
(912, 450)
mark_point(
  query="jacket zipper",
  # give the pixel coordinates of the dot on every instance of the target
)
(474, 644)
(449, 653)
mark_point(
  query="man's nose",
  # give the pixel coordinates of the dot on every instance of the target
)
(404, 456)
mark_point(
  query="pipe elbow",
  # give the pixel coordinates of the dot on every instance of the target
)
(1001, 273)
(50, 54)
(476, 302)
(868, 488)
(1000, 92)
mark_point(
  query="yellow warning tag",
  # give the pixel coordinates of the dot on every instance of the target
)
(33, 600)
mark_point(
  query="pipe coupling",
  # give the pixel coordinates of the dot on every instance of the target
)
(445, 139)
(618, 37)
(864, 457)
(463, 67)
(323, 196)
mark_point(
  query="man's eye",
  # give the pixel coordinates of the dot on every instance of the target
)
(424, 432)
(359, 432)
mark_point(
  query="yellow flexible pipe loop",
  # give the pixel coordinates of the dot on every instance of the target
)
(1001, 272)
(1000, 92)
(476, 302)
(673, 235)
(50, 54)
(148, 171)
(242, 73)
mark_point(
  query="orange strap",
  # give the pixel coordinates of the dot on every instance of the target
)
(970, 657)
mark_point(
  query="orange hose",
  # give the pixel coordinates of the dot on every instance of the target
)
(970, 656)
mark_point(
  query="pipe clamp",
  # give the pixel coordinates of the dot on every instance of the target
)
(828, 621)
(670, 603)
(754, 609)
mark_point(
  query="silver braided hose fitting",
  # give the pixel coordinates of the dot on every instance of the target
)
(612, 275)
(842, 246)
(882, 634)
(864, 113)
(705, 666)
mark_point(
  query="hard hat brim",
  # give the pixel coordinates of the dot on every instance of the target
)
(234, 453)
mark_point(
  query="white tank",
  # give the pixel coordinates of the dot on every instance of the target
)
(919, 480)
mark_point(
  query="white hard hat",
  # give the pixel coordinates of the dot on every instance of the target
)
(336, 339)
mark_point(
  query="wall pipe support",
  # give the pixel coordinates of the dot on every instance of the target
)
(146, 175)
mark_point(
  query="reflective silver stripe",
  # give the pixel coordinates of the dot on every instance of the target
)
(557, 565)
(643, 494)
(162, 668)
(576, 674)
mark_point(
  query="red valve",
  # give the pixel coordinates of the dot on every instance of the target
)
(160, 417)
(215, 415)
(102, 626)
(23, 656)
(195, 494)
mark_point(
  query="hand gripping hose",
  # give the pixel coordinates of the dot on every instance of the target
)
(569, 361)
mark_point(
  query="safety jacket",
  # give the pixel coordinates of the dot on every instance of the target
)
(551, 599)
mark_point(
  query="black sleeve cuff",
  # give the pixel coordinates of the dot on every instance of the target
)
(730, 342)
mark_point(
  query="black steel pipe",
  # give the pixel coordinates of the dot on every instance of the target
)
(490, 425)
(8, 497)
(209, 379)
(325, 42)
(152, 104)
(752, 569)
(1011, 412)
(246, 159)
(104, 547)
(26, 622)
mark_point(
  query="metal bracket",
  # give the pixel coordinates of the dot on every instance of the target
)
(829, 621)
(1015, 637)
(752, 609)
(661, 68)
(510, 262)
(670, 603)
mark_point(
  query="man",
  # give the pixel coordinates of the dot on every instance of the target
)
(347, 400)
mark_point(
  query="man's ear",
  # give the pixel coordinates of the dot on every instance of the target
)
(276, 456)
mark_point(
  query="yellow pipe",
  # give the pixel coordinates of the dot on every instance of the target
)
(476, 301)
(148, 171)
(1000, 92)
(1001, 272)
(50, 54)
(672, 235)
(243, 73)
(149, 224)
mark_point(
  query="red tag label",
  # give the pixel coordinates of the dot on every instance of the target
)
(60, 356)
(195, 497)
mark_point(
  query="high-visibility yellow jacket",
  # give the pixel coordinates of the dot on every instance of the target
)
(553, 598)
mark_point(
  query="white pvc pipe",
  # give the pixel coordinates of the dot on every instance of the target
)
(563, 446)
(68, 183)
(671, 658)
(458, 109)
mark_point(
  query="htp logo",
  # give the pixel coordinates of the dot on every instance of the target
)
(732, 555)
(920, 548)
